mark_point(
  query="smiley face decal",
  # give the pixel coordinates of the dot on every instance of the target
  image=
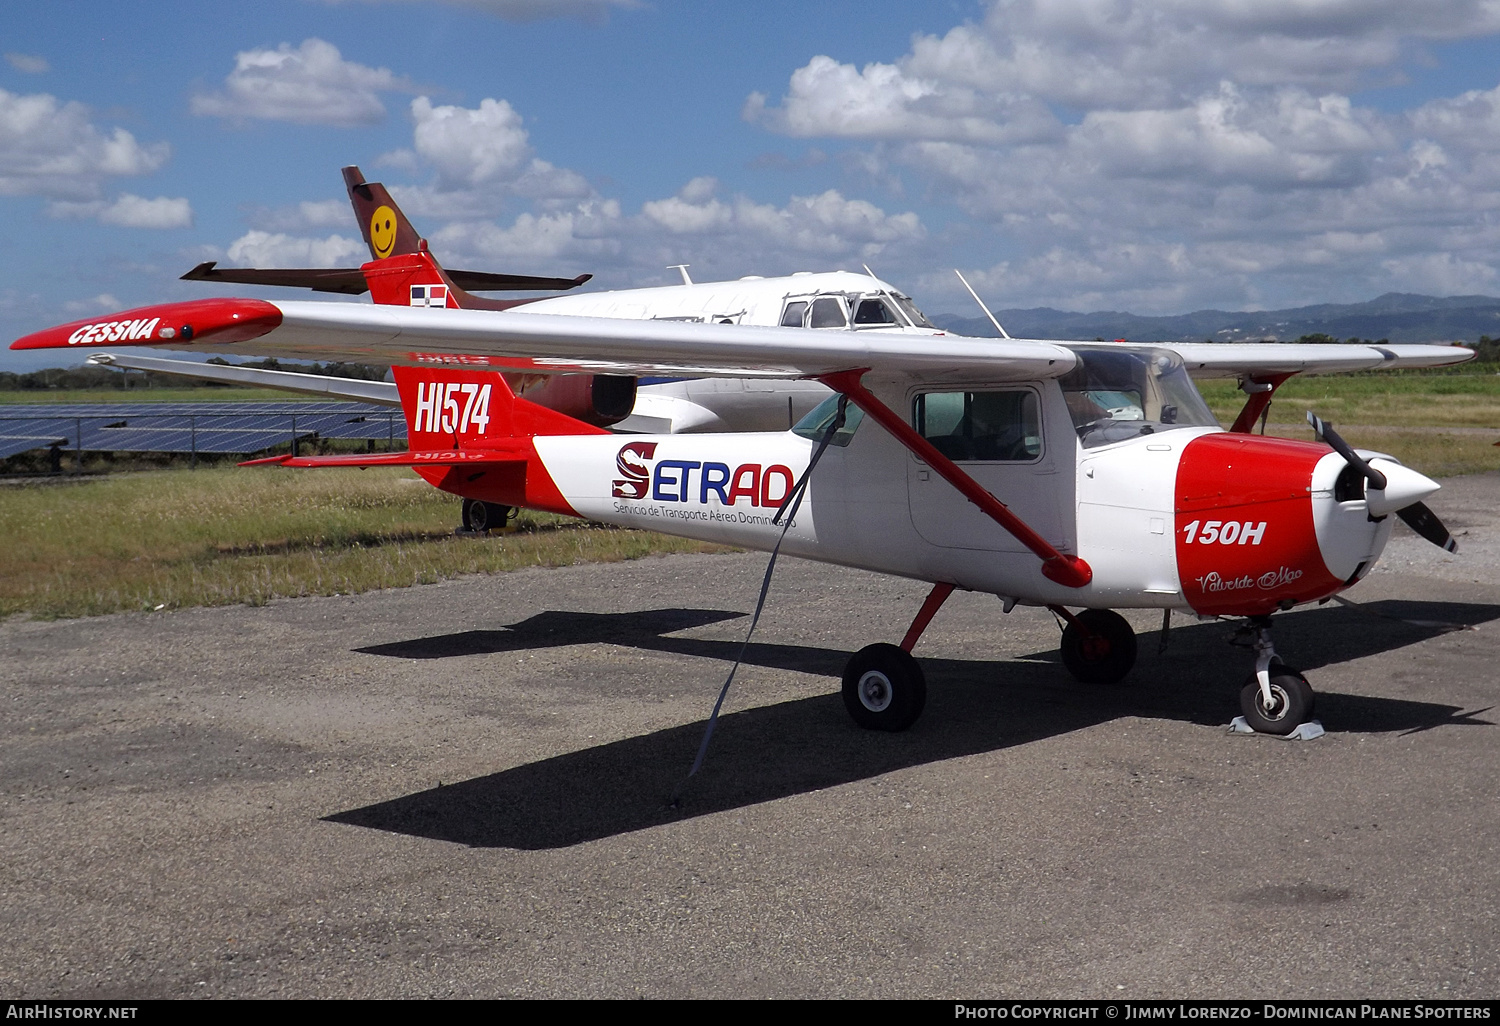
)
(383, 232)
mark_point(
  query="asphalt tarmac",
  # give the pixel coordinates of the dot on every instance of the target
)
(462, 790)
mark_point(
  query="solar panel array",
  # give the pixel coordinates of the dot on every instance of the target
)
(223, 427)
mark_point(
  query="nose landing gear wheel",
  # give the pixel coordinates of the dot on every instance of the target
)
(1102, 654)
(884, 688)
(1291, 702)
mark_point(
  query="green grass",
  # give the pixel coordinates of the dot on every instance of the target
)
(1380, 397)
(1441, 423)
(227, 535)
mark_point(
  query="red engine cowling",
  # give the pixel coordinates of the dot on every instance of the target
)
(1247, 541)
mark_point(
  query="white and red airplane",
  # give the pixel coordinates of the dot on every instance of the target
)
(1048, 474)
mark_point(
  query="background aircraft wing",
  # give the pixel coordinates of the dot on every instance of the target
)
(1230, 360)
(503, 340)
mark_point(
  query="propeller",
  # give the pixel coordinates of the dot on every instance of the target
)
(1392, 488)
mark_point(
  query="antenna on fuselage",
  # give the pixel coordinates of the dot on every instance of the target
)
(682, 270)
(871, 273)
(1002, 331)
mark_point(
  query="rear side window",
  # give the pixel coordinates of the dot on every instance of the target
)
(791, 317)
(827, 312)
(983, 426)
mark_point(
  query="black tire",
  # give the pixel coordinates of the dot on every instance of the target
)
(468, 524)
(1106, 656)
(486, 516)
(884, 688)
(1292, 705)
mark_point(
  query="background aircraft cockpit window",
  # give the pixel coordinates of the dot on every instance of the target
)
(913, 314)
(791, 317)
(819, 417)
(981, 425)
(827, 312)
(1115, 394)
(871, 311)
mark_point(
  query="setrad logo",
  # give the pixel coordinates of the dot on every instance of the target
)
(635, 476)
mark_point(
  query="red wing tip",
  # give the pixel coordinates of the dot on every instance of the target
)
(197, 321)
(266, 461)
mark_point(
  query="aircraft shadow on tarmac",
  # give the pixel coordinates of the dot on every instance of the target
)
(774, 751)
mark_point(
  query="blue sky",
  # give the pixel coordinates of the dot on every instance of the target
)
(1083, 154)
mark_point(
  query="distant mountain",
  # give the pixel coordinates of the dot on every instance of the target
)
(1395, 317)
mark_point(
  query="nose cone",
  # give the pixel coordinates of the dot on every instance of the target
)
(1403, 486)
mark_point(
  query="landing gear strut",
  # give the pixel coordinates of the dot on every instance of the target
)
(1276, 699)
(884, 688)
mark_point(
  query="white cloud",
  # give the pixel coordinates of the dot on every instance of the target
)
(28, 63)
(266, 249)
(1164, 154)
(485, 150)
(130, 211)
(137, 212)
(310, 85)
(50, 148)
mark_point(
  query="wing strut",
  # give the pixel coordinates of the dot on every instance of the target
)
(1070, 571)
(1258, 391)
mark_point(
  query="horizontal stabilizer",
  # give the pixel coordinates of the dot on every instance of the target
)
(350, 281)
(437, 458)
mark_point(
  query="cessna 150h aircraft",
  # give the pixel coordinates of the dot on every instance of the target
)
(1049, 474)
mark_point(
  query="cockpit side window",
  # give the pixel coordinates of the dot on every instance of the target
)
(791, 317)
(872, 312)
(981, 426)
(827, 312)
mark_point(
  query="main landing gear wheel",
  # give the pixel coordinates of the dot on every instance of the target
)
(1291, 702)
(884, 688)
(1104, 652)
(480, 517)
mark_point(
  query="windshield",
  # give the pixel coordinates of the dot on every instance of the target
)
(910, 309)
(817, 420)
(1118, 393)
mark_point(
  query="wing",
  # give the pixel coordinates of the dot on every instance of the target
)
(1230, 360)
(548, 343)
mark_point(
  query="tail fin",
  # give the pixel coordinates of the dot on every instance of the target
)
(387, 231)
(413, 279)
